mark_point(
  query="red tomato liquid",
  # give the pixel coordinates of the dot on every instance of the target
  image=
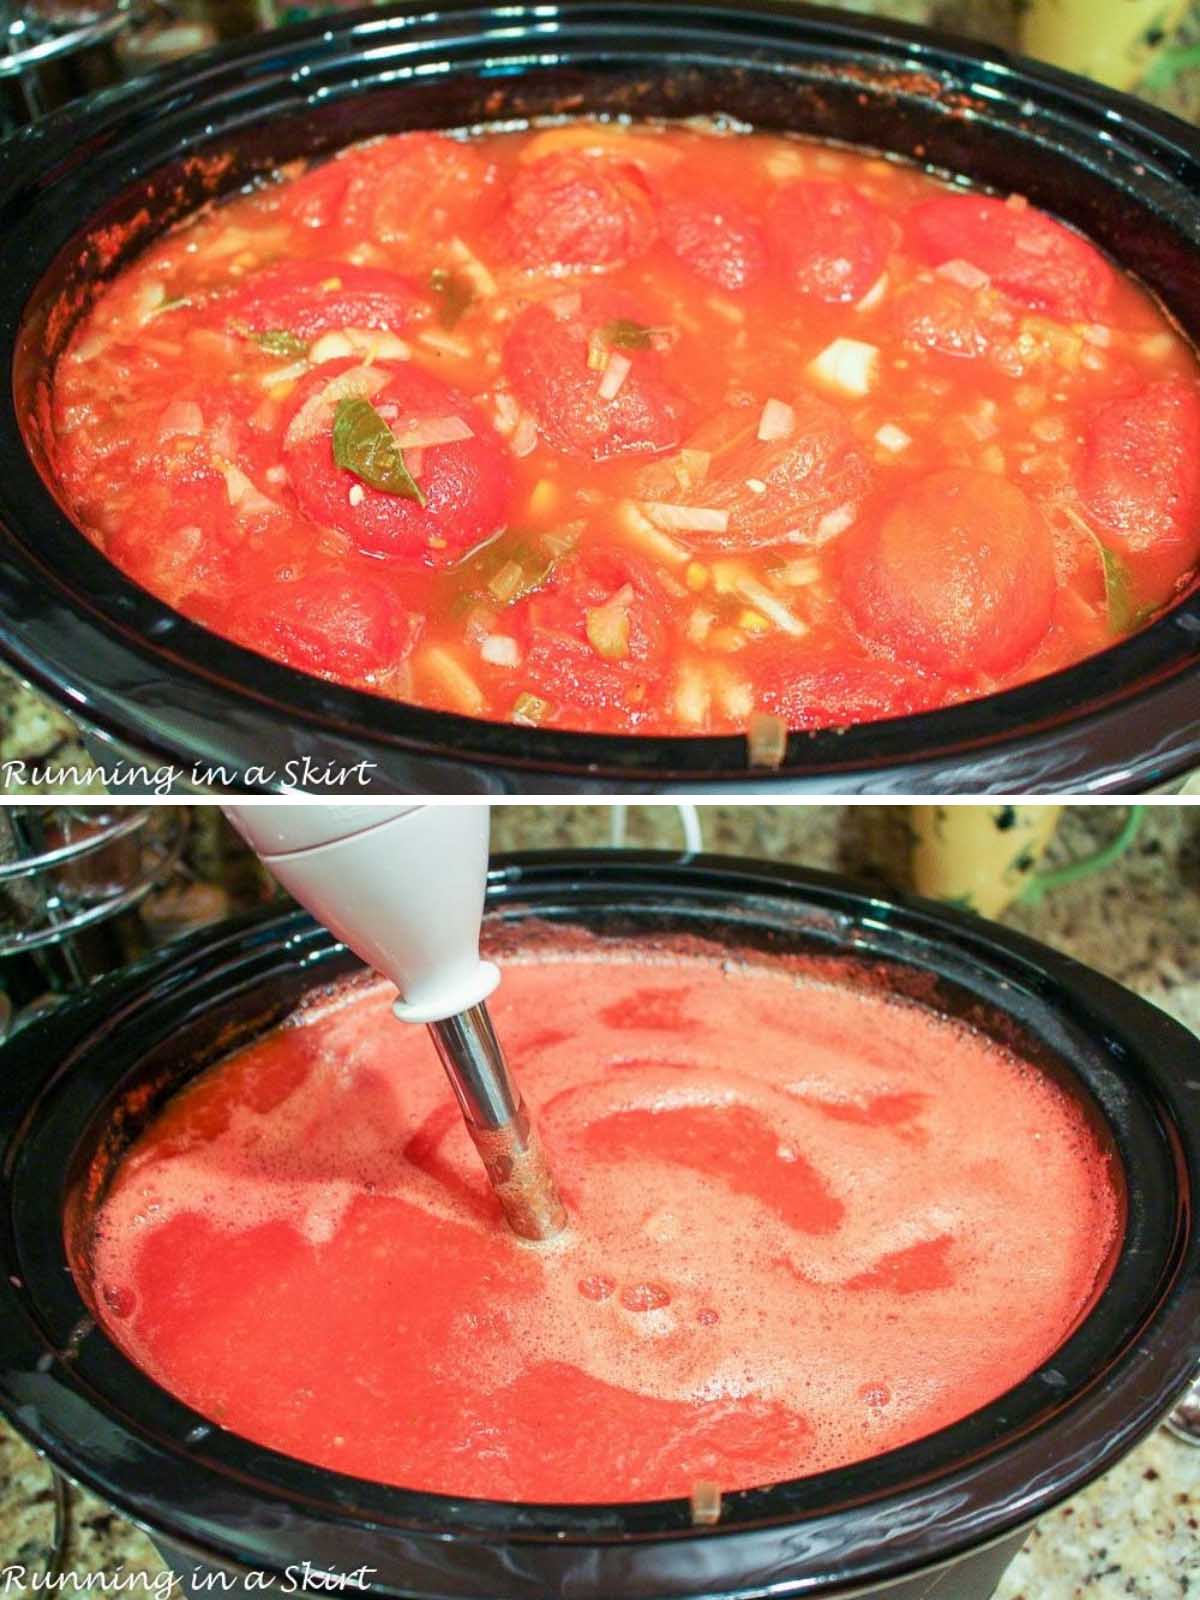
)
(698, 426)
(808, 1225)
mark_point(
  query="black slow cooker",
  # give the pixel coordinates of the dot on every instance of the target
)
(940, 1516)
(86, 190)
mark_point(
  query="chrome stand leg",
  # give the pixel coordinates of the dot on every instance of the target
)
(1184, 1421)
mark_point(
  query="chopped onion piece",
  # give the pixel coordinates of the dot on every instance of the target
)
(726, 309)
(771, 607)
(377, 344)
(283, 374)
(726, 576)
(641, 532)
(508, 412)
(242, 493)
(698, 625)
(500, 650)
(453, 679)
(892, 438)
(90, 347)
(733, 691)
(1157, 346)
(686, 519)
(446, 343)
(692, 467)
(505, 583)
(608, 625)
(706, 1504)
(874, 294)
(777, 421)
(616, 371)
(525, 436)
(181, 416)
(481, 279)
(693, 697)
(222, 438)
(565, 306)
(799, 574)
(316, 413)
(833, 523)
(1098, 334)
(330, 347)
(766, 739)
(848, 365)
(964, 273)
(530, 709)
(982, 421)
(414, 435)
(147, 300)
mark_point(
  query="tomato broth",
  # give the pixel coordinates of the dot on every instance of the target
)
(808, 1224)
(638, 428)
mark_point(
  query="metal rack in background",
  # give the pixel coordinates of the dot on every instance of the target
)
(52, 52)
(67, 876)
(55, 51)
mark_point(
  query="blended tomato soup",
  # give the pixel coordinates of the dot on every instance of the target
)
(671, 429)
(808, 1224)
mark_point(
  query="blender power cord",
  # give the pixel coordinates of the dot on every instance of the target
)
(689, 822)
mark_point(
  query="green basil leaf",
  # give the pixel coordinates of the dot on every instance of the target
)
(454, 291)
(623, 334)
(279, 342)
(539, 556)
(1123, 615)
(364, 445)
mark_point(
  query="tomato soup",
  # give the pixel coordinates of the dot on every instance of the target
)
(662, 429)
(808, 1224)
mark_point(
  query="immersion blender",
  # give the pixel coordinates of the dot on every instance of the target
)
(403, 887)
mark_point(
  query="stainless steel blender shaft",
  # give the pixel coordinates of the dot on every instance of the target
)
(498, 1123)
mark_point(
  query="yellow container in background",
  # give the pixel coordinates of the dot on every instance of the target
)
(1112, 41)
(979, 856)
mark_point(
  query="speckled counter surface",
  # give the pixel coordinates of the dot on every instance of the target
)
(1135, 1533)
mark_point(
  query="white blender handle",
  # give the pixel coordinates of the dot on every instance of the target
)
(402, 885)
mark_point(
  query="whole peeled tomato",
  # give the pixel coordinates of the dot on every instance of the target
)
(1029, 255)
(804, 488)
(546, 359)
(579, 211)
(832, 241)
(416, 185)
(809, 691)
(719, 240)
(309, 298)
(948, 319)
(337, 624)
(1141, 475)
(956, 576)
(465, 483)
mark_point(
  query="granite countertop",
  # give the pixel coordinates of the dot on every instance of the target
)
(1136, 1532)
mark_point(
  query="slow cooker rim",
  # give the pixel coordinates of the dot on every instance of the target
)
(56, 631)
(513, 881)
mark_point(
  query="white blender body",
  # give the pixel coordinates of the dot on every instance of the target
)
(403, 886)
